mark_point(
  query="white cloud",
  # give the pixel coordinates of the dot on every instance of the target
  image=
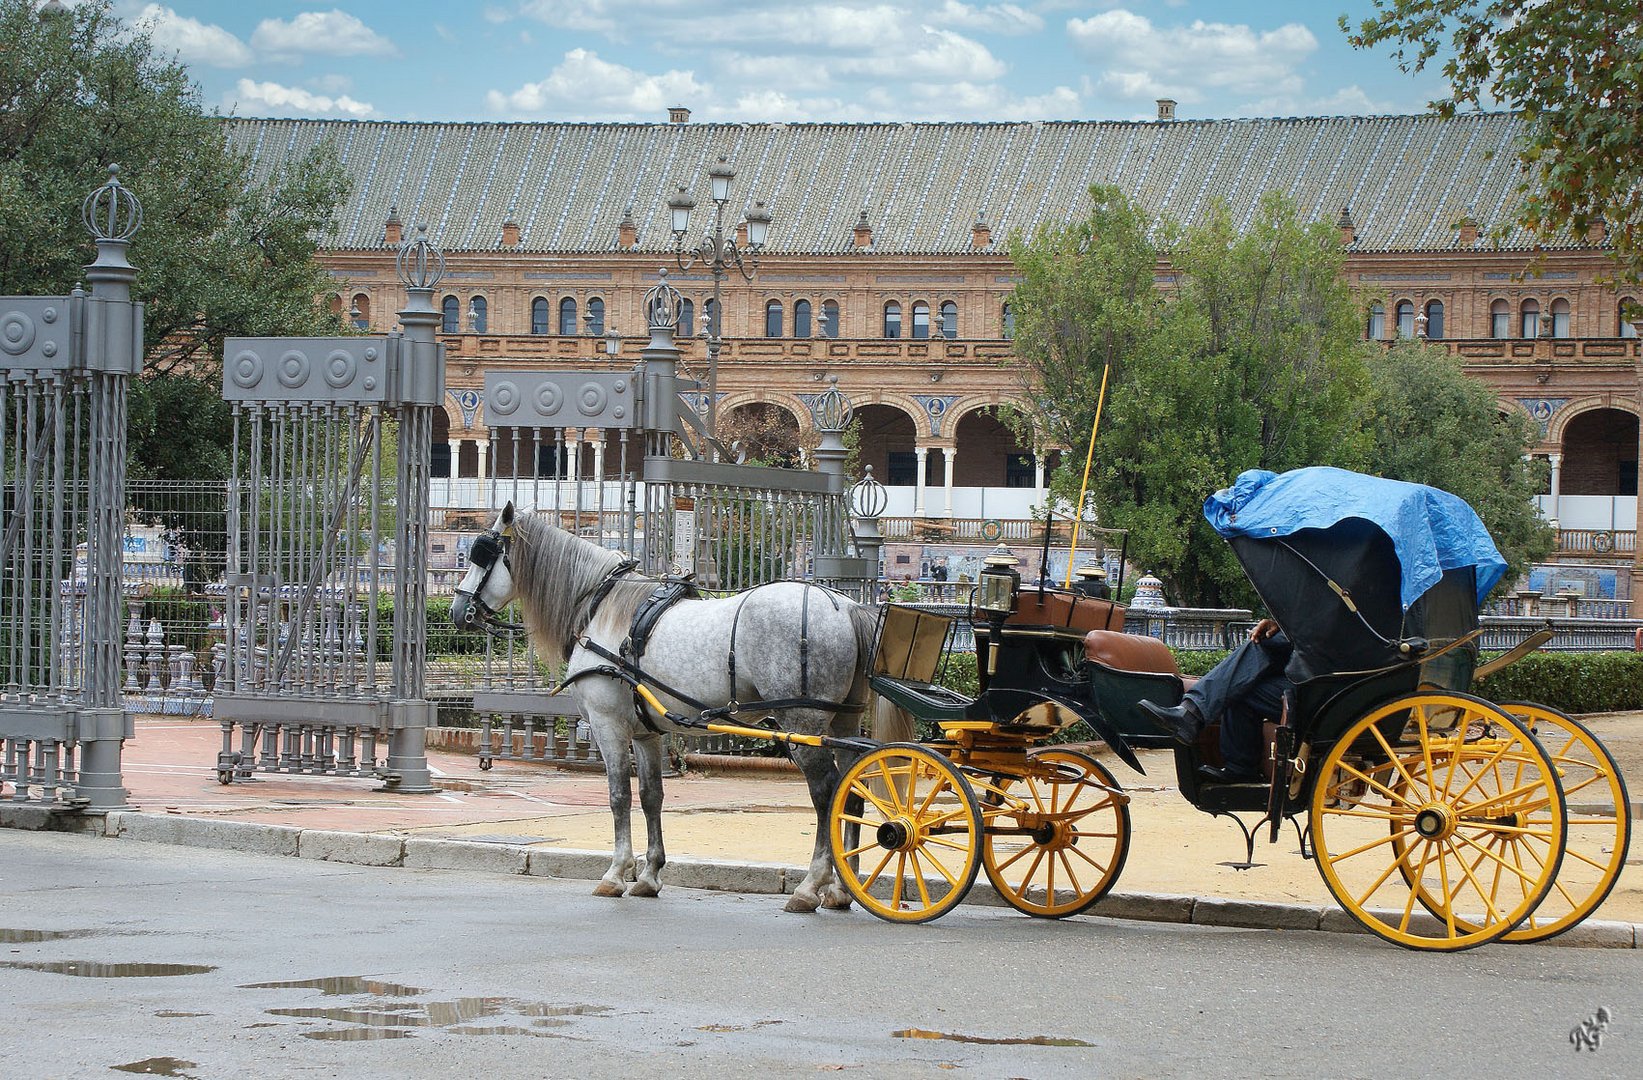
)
(929, 53)
(272, 99)
(584, 87)
(995, 18)
(193, 42)
(334, 33)
(1196, 62)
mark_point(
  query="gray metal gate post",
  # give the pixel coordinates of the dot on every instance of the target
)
(309, 525)
(65, 367)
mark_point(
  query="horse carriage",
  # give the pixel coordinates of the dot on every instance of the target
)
(1438, 820)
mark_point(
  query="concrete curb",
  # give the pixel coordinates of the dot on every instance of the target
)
(430, 853)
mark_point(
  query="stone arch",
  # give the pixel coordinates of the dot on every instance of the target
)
(990, 454)
(440, 463)
(767, 427)
(889, 436)
(1560, 420)
(1600, 452)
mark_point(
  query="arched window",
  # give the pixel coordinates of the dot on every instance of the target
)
(567, 317)
(1009, 322)
(801, 318)
(1406, 319)
(773, 319)
(450, 316)
(1434, 319)
(949, 319)
(1377, 321)
(596, 316)
(830, 319)
(1560, 317)
(687, 319)
(360, 313)
(892, 320)
(335, 304)
(1624, 327)
(921, 319)
(1531, 318)
(478, 315)
(1500, 319)
(710, 317)
(539, 315)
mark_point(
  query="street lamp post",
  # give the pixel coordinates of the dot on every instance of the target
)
(720, 253)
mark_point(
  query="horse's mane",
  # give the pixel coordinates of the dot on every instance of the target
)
(555, 576)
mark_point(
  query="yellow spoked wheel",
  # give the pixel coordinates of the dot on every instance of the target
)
(1056, 839)
(919, 833)
(1441, 799)
(1599, 828)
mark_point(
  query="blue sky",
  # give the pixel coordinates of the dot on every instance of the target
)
(770, 60)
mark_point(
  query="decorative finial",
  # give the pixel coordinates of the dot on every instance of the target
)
(832, 409)
(662, 303)
(419, 263)
(112, 212)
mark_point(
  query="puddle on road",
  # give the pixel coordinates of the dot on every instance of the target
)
(357, 1034)
(156, 1066)
(16, 937)
(173, 1014)
(1029, 1040)
(399, 1019)
(88, 970)
(721, 1028)
(343, 984)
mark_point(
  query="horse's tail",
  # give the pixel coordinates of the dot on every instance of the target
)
(888, 722)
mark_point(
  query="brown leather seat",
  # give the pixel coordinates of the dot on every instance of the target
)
(1130, 652)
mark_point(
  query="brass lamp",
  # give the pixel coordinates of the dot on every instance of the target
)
(996, 590)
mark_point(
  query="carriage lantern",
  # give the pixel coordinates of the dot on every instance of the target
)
(996, 595)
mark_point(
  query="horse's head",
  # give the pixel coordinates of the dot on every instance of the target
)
(488, 585)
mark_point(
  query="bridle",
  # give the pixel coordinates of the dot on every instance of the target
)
(490, 550)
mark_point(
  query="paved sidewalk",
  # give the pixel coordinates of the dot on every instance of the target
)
(727, 829)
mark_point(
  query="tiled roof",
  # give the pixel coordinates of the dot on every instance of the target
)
(1406, 179)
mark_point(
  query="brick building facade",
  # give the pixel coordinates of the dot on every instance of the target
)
(886, 267)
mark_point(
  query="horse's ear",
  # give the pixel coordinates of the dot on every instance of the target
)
(506, 520)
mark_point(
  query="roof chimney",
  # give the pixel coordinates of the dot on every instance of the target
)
(393, 229)
(981, 235)
(1597, 231)
(1349, 231)
(678, 114)
(1166, 110)
(627, 233)
(1468, 231)
(510, 231)
(864, 232)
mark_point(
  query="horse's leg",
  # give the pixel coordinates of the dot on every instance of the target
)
(648, 751)
(820, 887)
(616, 749)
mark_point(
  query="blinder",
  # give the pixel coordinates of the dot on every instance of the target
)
(489, 550)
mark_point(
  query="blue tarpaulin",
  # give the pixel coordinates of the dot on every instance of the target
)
(1431, 530)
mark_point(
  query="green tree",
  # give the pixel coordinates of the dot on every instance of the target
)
(1434, 425)
(1254, 361)
(1573, 70)
(221, 250)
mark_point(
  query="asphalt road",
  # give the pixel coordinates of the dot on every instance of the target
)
(208, 964)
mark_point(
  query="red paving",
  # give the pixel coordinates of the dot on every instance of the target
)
(171, 767)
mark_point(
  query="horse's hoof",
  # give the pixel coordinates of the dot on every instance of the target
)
(643, 888)
(804, 905)
(836, 899)
(605, 888)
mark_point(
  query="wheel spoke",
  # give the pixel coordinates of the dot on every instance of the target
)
(1371, 845)
(1499, 753)
(1347, 767)
(860, 788)
(1392, 755)
(1487, 898)
(1072, 876)
(1527, 880)
(918, 878)
(867, 883)
(1409, 904)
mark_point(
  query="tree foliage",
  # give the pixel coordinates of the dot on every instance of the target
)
(1434, 425)
(1253, 361)
(220, 251)
(1576, 73)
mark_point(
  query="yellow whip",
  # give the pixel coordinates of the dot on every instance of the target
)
(1084, 485)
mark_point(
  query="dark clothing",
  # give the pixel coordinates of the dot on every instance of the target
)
(1241, 692)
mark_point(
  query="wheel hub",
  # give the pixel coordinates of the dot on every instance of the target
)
(1434, 822)
(896, 834)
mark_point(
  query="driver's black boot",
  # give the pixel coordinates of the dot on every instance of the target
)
(1182, 722)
